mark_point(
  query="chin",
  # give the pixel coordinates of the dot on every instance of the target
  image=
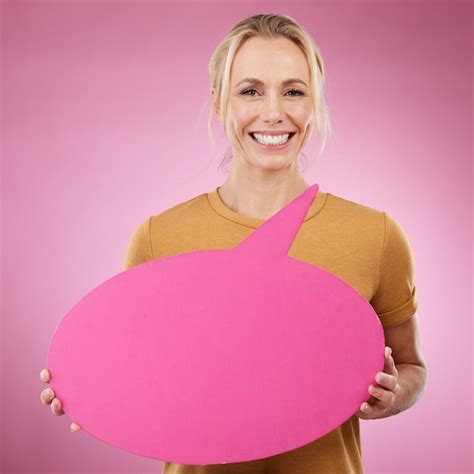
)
(272, 163)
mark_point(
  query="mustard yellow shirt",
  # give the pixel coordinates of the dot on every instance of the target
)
(364, 246)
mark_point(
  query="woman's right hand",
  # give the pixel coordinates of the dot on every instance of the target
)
(47, 397)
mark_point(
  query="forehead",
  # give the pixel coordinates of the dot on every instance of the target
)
(269, 59)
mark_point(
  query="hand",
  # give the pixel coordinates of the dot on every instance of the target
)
(380, 404)
(47, 398)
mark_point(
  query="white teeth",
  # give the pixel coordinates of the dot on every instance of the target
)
(271, 139)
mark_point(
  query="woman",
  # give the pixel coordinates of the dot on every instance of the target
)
(267, 80)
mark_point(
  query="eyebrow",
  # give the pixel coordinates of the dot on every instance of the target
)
(254, 80)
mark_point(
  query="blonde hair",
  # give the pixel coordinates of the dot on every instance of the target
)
(267, 26)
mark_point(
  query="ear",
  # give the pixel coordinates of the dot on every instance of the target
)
(216, 107)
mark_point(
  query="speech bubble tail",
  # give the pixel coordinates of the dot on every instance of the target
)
(275, 236)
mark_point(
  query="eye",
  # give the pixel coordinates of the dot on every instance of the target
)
(296, 90)
(244, 92)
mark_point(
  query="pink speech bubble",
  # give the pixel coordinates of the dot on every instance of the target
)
(218, 356)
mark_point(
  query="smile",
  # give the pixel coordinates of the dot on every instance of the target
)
(271, 143)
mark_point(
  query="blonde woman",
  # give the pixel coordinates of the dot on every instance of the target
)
(267, 79)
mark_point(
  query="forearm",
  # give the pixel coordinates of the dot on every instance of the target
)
(411, 380)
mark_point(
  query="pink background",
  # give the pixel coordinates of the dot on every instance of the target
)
(104, 123)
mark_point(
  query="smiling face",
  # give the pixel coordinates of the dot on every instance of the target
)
(271, 103)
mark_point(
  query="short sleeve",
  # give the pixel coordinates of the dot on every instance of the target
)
(395, 299)
(139, 246)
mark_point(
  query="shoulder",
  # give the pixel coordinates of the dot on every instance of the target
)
(181, 214)
(181, 227)
(173, 215)
(361, 219)
(347, 208)
(352, 218)
(163, 230)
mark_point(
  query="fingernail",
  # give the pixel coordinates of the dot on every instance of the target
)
(43, 375)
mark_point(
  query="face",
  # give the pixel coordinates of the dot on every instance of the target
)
(270, 104)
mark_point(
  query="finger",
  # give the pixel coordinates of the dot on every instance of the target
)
(75, 427)
(364, 411)
(386, 381)
(56, 407)
(47, 396)
(384, 396)
(369, 411)
(45, 375)
(389, 365)
(361, 413)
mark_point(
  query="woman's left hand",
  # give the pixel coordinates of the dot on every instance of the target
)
(383, 394)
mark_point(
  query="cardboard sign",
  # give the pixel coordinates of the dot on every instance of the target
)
(218, 356)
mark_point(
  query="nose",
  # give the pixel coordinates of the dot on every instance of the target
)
(272, 108)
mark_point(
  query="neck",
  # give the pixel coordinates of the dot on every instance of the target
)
(261, 195)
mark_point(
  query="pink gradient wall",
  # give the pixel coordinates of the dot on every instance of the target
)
(104, 123)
